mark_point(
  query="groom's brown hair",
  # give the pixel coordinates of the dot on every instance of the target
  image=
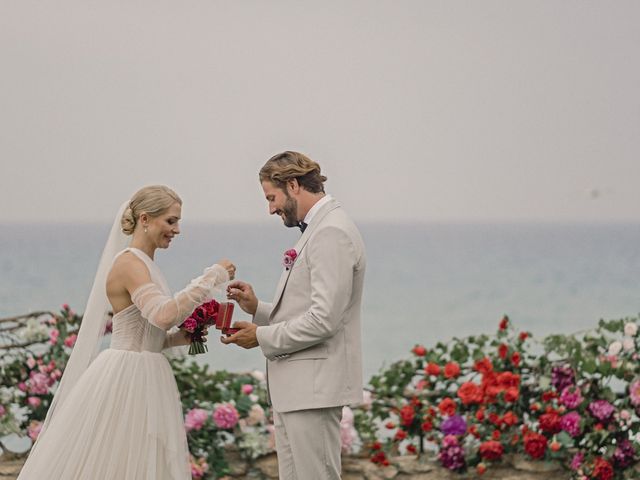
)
(288, 165)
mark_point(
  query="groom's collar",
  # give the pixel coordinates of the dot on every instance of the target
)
(316, 207)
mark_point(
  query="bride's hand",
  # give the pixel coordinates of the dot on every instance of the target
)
(229, 267)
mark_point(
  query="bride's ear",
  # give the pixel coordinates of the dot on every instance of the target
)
(143, 219)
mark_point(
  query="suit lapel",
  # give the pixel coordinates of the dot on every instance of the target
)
(317, 220)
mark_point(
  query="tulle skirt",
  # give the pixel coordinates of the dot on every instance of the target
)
(122, 421)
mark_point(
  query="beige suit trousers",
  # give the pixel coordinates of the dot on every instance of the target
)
(308, 444)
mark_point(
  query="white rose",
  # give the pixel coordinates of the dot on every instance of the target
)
(615, 348)
(628, 344)
(631, 329)
(258, 375)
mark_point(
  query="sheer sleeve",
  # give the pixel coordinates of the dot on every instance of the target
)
(165, 311)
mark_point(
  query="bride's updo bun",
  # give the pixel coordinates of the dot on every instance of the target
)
(154, 200)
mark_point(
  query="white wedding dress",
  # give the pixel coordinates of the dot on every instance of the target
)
(123, 418)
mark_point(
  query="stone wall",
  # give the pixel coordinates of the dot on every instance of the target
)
(266, 468)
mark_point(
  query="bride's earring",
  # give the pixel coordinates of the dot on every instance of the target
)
(145, 229)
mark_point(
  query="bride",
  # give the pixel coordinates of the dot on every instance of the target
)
(117, 413)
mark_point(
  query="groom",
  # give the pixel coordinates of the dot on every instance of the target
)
(310, 333)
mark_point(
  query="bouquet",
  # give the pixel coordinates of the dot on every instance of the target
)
(207, 314)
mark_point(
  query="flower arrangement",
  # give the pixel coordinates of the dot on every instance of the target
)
(289, 258)
(574, 399)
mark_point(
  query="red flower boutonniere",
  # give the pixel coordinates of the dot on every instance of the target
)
(289, 258)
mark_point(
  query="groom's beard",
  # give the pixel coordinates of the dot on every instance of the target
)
(289, 212)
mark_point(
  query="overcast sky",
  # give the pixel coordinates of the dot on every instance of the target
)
(416, 110)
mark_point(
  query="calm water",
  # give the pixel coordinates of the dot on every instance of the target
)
(424, 283)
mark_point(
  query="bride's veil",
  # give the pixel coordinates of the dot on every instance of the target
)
(94, 320)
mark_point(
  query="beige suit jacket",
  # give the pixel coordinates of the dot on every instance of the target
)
(310, 334)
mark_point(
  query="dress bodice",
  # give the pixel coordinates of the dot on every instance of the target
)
(131, 331)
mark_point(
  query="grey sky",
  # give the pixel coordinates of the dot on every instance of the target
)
(417, 110)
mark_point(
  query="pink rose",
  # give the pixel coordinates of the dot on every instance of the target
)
(31, 363)
(2, 411)
(226, 416)
(190, 325)
(22, 387)
(33, 430)
(53, 336)
(39, 383)
(247, 388)
(289, 258)
(195, 419)
(34, 402)
(70, 341)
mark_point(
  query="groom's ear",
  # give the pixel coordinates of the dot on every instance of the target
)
(293, 186)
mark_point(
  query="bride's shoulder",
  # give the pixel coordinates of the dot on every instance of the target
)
(128, 265)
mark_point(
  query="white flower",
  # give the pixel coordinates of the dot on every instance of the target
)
(615, 348)
(367, 399)
(258, 375)
(631, 329)
(628, 344)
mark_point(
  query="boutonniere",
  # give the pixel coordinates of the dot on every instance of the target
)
(289, 258)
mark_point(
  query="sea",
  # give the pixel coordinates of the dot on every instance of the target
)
(425, 282)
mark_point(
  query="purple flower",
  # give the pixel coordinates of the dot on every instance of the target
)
(601, 410)
(451, 454)
(570, 423)
(562, 376)
(577, 460)
(454, 425)
(624, 455)
(634, 393)
(571, 397)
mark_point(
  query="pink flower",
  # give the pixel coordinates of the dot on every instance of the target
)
(70, 341)
(628, 344)
(195, 419)
(34, 402)
(226, 416)
(33, 430)
(53, 336)
(247, 388)
(39, 383)
(634, 393)
(570, 423)
(56, 374)
(190, 325)
(22, 387)
(289, 258)
(571, 397)
(256, 415)
(348, 433)
(2, 411)
(31, 363)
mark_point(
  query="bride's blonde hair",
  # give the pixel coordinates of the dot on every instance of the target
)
(154, 200)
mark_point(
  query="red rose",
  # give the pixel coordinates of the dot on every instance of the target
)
(491, 450)
(447, 407)
(548, 396)
(496, 435)
(481, 468)
(407, 414)
(400, 435)
(550, 422)
(510, 418)
(504, 323)
(523, 336)
(411, 449)
(432, 369)
(511, 394)
(390, 425)
(419, 351)
(503, 349)
(480, 414)
(515, 358)
(427, 426)
(473, 430)
(376, 446)
(483, 366)
(451, 370)
(495, 419)
(470, 393)
(508, 379)
(535, 445)
(602, 470)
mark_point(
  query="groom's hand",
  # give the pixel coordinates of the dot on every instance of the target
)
(243, 293)
(245, 337)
